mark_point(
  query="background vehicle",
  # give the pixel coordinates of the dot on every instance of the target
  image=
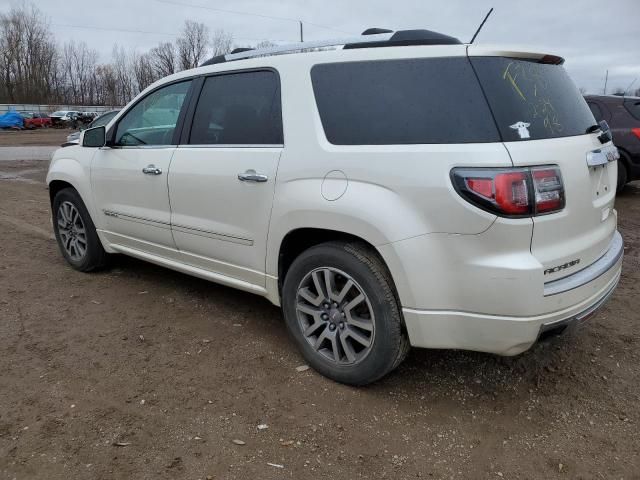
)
(400, 189)
(73, 138)
(87, 117)
(35, 120)
(623, 116)
(64, 118)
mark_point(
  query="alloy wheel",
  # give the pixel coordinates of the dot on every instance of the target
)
(335, 316)
(71, 229)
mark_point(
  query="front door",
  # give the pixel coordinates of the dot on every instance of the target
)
(222, 179)
(129, 177)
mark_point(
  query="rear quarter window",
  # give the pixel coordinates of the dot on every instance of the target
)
(532, 100)
(412, 101)
(633, 107)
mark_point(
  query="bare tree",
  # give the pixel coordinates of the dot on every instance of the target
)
(192, 45)
(163, 59)
(265, 44)
(78, 63)
(27, 55)
(33, 69)
(143, 70)
(221, 43)
(124, 79)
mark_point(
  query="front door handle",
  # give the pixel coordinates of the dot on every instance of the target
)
(151, 170)
(252, 176)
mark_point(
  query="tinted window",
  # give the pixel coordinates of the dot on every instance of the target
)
(532, 100)
(434, 100)
(239, 108)
(633, 106)
(595, 109)
(152, 120)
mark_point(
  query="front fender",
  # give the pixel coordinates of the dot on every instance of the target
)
(71, 166)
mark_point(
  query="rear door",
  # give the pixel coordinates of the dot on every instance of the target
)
(222, 176)
(543, 120)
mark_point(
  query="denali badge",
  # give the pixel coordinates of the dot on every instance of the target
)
(564, 266)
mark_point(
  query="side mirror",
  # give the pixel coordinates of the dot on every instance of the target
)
(94, 137)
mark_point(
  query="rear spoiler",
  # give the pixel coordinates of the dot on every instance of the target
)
(498, 51)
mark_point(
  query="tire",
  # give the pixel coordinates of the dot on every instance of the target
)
(329, 344)
(75, 232)
(623, 176)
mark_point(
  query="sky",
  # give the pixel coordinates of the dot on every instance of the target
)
(592, 35)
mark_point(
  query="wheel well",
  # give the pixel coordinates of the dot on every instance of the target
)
(55, 186)
(299, 240)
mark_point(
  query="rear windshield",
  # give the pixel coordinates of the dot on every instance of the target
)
(531, 100)
(412, 101)
(633, 106)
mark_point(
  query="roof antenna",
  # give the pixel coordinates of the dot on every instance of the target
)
(481, 25)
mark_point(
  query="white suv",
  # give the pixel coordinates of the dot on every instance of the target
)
(401, 189)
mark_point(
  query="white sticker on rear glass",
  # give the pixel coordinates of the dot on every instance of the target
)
(522, 128)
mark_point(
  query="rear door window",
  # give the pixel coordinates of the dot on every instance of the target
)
(409, 101)
(239, 109)
(532, 100)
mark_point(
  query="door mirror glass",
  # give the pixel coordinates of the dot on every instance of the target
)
(94, 137)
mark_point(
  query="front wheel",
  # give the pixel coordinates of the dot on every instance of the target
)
(75, 232)
(341, 310)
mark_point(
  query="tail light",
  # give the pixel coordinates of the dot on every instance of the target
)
(511, 192)
(636, 132)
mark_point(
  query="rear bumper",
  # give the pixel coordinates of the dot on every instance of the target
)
(511, 335)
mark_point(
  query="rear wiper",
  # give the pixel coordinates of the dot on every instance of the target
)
(593, 128)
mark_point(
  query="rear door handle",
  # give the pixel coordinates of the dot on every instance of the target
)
(151, 170)
(252, 176)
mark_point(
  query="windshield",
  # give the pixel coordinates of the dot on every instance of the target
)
(59, 113)
(532, 100)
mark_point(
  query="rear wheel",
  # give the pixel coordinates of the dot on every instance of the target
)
(623, 176)
(76, 233)
(341, 309)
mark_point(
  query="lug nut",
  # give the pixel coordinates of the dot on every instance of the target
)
(324, 316)
(326, 305)
(332, 326)
(341, 325)
(344, 315)
(335, 304)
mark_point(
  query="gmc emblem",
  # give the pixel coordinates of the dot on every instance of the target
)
(564, 266)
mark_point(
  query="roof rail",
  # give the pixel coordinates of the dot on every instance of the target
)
(390, 39)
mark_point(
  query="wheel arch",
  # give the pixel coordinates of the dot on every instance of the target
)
(300, 239)
(73, 173)
(57, 185)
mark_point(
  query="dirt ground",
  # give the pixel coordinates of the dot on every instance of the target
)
(39, 136)
(138, 372)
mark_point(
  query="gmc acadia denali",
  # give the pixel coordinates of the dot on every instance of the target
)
(395, 189)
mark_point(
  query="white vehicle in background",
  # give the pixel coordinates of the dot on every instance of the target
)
(401, 189)
(64, 118)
